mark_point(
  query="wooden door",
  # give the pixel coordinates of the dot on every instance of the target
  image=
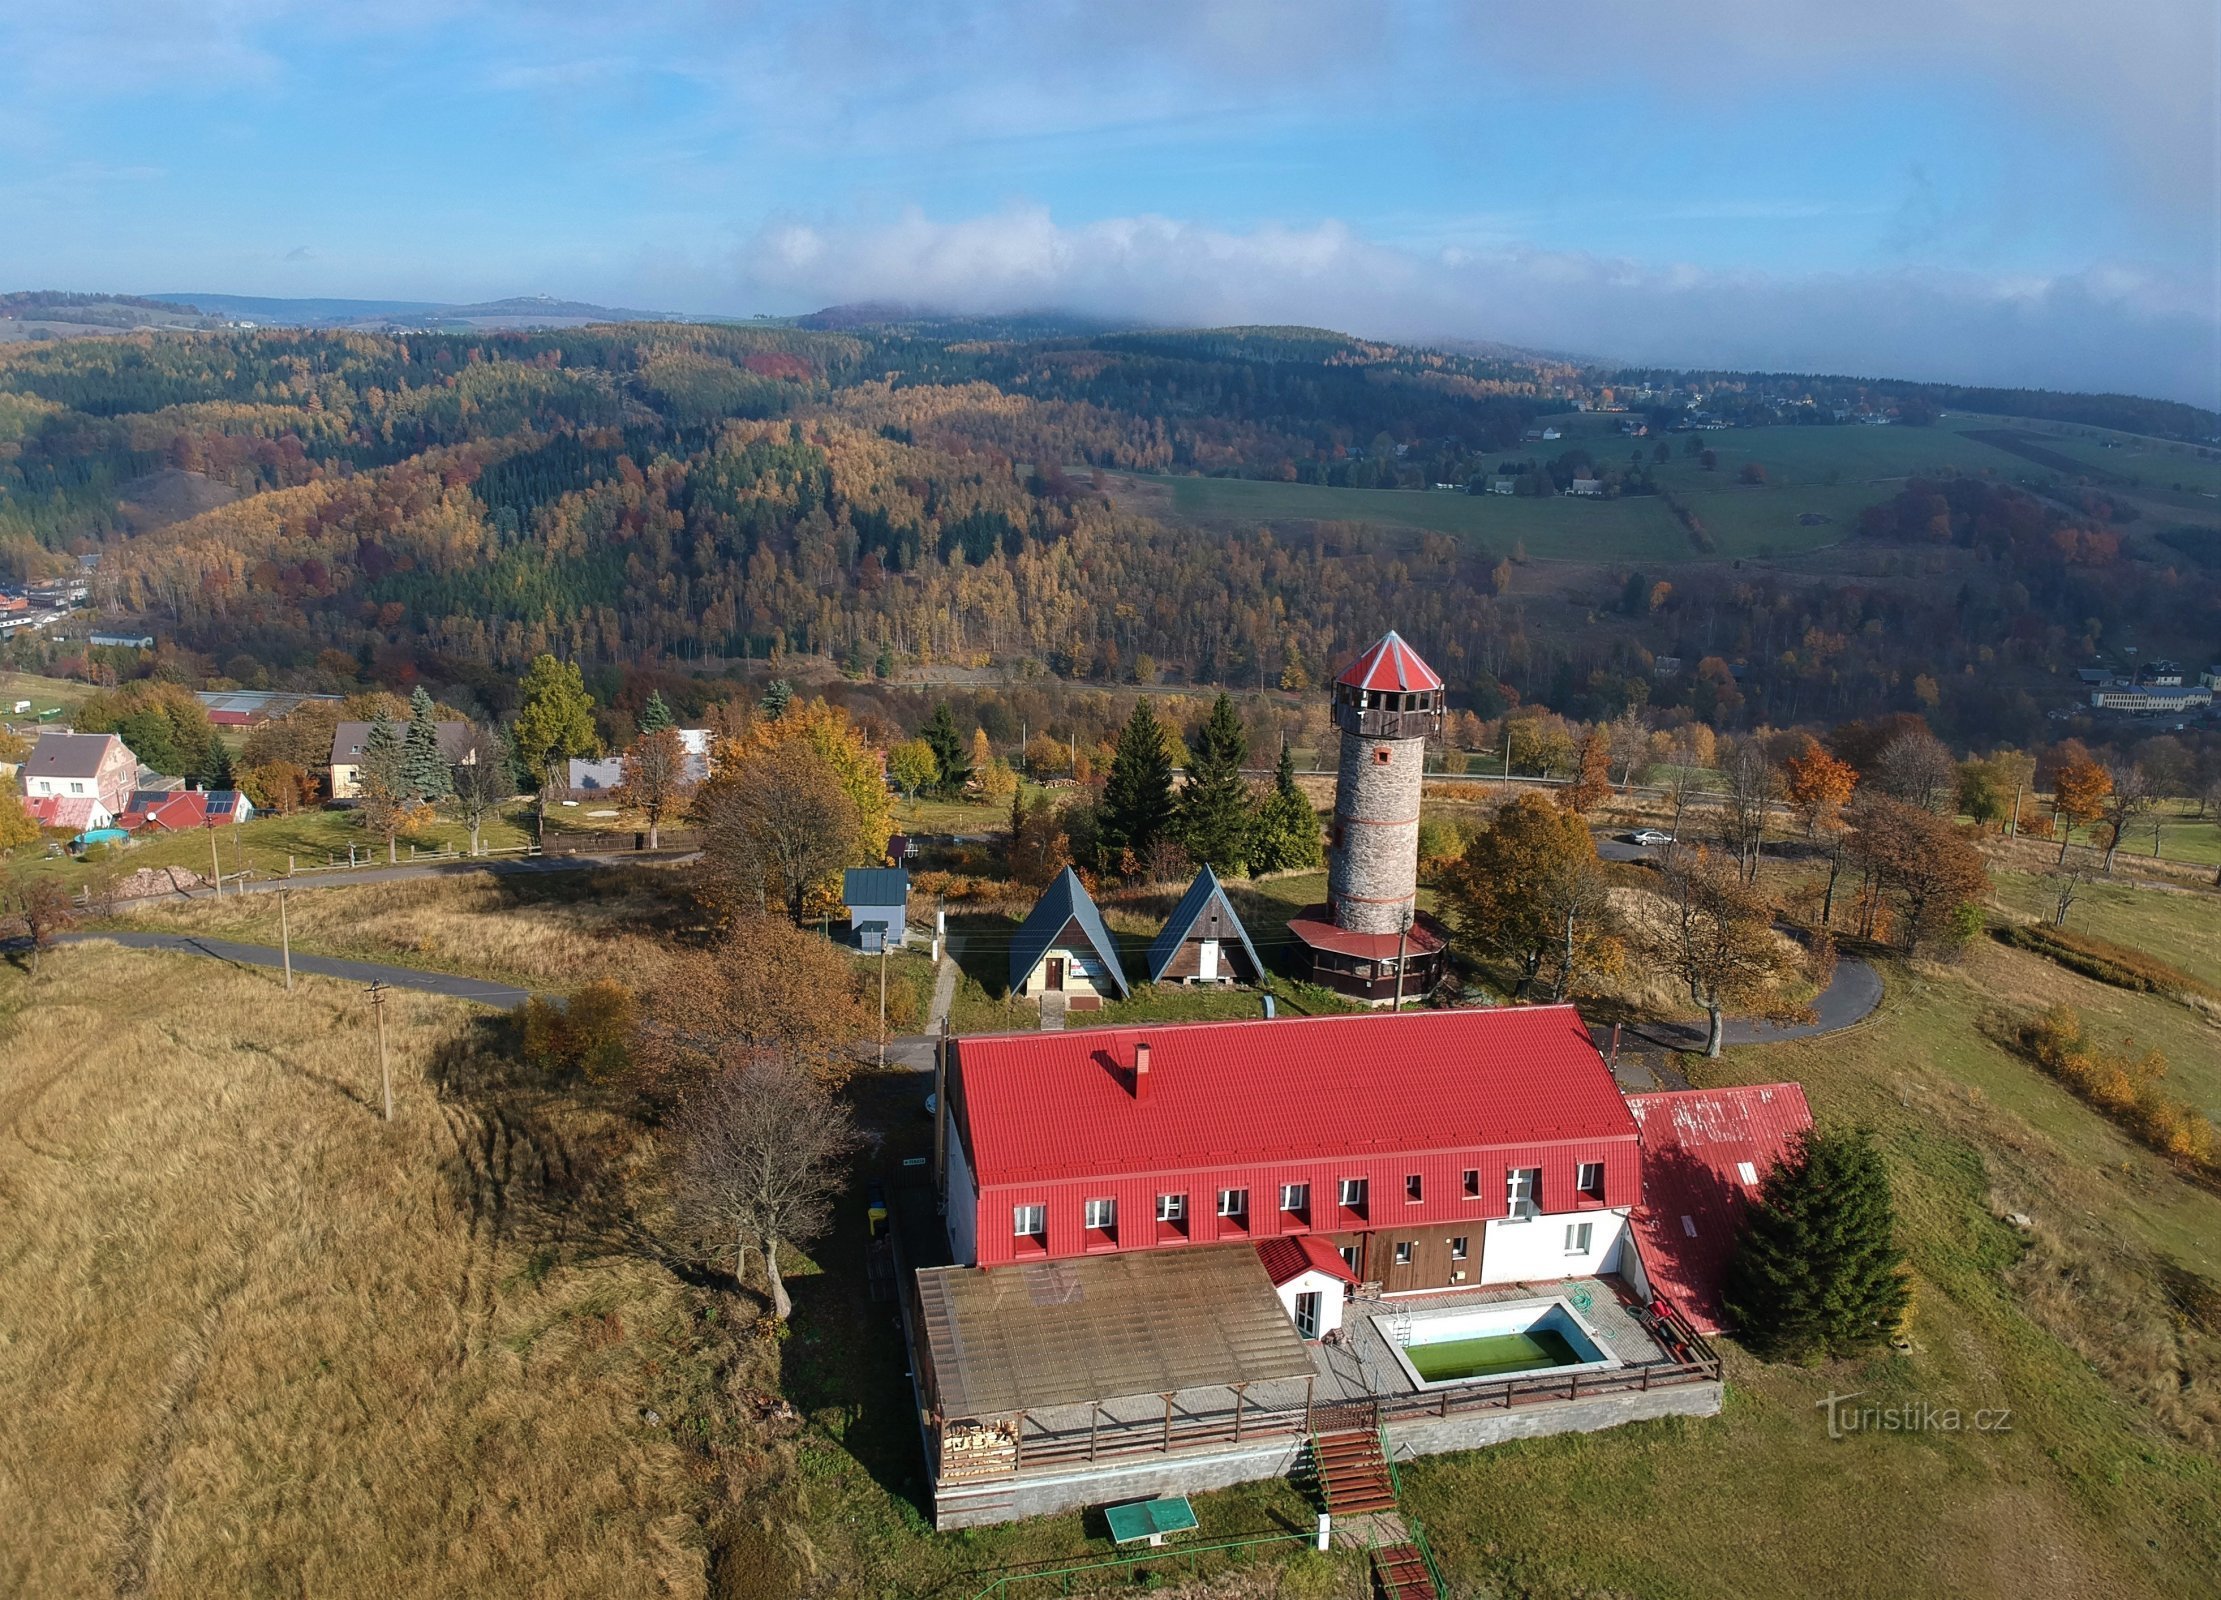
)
(1053, 975)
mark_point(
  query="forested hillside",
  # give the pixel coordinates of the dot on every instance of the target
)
(900, 496)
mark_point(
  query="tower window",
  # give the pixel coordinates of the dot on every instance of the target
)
(1382, 755)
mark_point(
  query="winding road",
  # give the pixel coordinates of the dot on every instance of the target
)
(506, 996)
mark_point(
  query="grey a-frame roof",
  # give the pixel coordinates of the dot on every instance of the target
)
(1065, 900)
(1192, 904)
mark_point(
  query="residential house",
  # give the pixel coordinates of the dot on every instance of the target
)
(878, 901)
(81, 766)
(180, 810)
(1062, 948)
(1204, 941)
(1587, 487)
(594, 777)
(122, 641)
(350, 738)
(1503, 485)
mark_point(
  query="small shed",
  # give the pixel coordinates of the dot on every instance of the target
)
(1204, 941)
(878, 900)
(1063, 948)
(1312, 1278)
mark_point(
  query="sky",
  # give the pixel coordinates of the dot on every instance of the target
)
(2023, 192)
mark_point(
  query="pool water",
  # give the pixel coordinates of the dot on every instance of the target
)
(1491, 1354)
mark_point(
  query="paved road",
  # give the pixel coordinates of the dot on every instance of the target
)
(1849, 997)
(502, 995)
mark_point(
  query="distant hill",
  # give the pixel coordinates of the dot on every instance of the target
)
(516, 311)
(55, 313)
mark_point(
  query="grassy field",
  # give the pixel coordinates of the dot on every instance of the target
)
(2107, 1477)
(2180, 926)
(268, 845)
(257, 1341)
(1832, 472)
(542, 931)
(41, 692)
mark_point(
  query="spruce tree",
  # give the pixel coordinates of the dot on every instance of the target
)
(655, 716)
(948, 751)
(423, 769)
(1816, 1272)
(1137, 807)
(777, 696)
(1216, 807)
(1285, 833)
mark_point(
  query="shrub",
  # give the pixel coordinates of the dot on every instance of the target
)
(2106, 962)
(588, 1033)
(2125, 1086)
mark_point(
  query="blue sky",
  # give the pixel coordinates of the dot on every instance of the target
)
(1990, 190)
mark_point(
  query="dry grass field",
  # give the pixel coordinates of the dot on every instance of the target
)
(538, 932)
(255, 1341)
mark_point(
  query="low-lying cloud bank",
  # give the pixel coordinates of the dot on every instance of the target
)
(2106, 328)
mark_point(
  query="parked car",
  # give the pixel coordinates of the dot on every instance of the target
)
(1650, 836)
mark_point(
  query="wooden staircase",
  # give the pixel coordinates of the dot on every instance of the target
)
(1400, 1572)
(1352, 1472)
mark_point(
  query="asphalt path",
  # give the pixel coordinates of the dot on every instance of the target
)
(346, 877)
(504, 996)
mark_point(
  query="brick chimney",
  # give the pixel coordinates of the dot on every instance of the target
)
(1141, 1069)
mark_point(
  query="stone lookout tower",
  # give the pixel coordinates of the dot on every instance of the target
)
(1370, 939)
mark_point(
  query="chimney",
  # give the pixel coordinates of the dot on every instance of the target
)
(1141, 1069)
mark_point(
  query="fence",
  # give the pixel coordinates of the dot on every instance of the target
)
(670, 841)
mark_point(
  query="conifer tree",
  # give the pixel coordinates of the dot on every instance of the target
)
(655, 716)
(1137, 807)
(1285, 834)
(948, 752)
(1817, 1271)
(382, 758)
(555, 718)
(1216, 806)
(424, 773)
(777, 696)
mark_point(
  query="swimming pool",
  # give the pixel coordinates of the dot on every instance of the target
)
(1466, 1343)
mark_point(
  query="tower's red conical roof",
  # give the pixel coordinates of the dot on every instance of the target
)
(1390, 666)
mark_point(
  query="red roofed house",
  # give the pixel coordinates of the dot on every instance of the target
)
(175, 810)
(90, 773)
(1705, 1152)
(1428, 1149)
(1370, 939)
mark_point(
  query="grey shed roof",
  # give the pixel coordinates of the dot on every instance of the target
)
(875, 886)
(1060, 903)
(1142, 1322)
(1167, 943)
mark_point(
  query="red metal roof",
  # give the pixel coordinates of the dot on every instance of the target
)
(1315, 929)
(1292, 1255)
(1048, 1106)
(1704, 1152)
(1390, 665)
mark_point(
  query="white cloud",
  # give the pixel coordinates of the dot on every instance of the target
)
(2109, 327)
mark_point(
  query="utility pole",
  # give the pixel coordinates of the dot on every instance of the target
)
(1403, 935)
(285, 941)
(215, 867)
(882, 1002)
(385, 1073)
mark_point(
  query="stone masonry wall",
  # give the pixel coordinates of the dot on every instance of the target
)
(1373, 874)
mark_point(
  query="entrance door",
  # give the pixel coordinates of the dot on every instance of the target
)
(1307, 1314)
(1209, 972)
(1053, 976)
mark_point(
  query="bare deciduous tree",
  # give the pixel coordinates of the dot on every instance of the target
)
(37, 909)
(1918, 768)
(777, 822)
(1753, 787)
(655, 780)
(757, 1160)
(1715, 935)
(481, 779)
(2066, 882)
(2132, 796)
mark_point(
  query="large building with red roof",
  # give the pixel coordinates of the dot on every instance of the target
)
(1430, 1149)
(1370, 939)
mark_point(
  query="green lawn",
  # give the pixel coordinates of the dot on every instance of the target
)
(2182, 835)
(267, 845)
(2089, 1489)
(41, 692)
(2180, 926)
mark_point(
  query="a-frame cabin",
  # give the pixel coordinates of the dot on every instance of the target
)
(1063, 948)
(1204, 942)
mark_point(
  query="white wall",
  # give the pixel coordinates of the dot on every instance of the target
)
(963, 1203)
(1535, 1252)
(1326, 1287)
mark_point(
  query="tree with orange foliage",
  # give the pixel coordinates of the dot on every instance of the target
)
(1592, 783)
(1817, 785)
(2079, 791)
(765, 991)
